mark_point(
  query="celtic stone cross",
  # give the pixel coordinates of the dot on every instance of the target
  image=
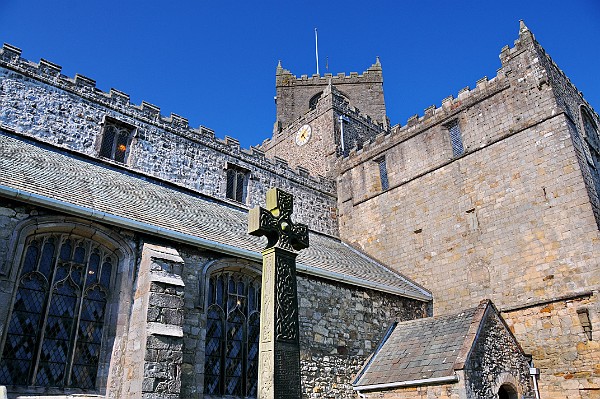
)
(279, 346)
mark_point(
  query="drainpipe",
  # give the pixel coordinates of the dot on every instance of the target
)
(534, 373)
(342, 120)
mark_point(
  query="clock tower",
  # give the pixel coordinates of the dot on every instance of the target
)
(323, 117)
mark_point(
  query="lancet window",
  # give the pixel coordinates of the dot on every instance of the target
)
(232, 333)
(55, 328)
(383, 174)
(314, 100)
(455, 138)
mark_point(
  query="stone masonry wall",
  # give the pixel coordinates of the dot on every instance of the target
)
(340, 326)
(442, 391)
(318, 155)
(475, 221)
(496, 359)
(363, 91)
(571, 101)
(553, 333)
(509, 220)
(37, 101)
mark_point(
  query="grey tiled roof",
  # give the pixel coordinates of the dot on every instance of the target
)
(42, 174)
(431, 347)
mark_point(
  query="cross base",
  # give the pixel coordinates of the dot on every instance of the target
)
(279, 356)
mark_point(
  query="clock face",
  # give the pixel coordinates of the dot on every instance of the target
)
(303, 135)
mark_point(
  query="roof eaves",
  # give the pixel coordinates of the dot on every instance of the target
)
(426, 293)
(391, 385)
(135, 225)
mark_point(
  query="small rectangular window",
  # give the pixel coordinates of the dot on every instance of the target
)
(116, 138)
(455, 138)
(237, 181)
(472, 221)
(584, 319)
(383, 175)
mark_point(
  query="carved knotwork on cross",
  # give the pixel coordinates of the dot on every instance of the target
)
(279, 342)
(275, 222)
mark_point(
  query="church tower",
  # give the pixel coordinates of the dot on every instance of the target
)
(322, 117)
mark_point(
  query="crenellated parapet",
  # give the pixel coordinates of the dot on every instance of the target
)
(373, 74)
(528, 94)
(485, 88)
(433, 115)
(297, 96)
(82, 86)
(324, 119)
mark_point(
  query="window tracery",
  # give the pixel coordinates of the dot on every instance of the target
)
(116, 138)
(55, 329)
(237, 182)
(232, 331)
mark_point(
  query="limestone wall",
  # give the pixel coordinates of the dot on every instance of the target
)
(318, 155)
(38, 102)
(516, 233)
(340, 326)
(510, 219)
(441, 391)
(571, 101)
(363, 91)
(553, 333)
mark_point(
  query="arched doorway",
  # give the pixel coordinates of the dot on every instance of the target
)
(506, 391)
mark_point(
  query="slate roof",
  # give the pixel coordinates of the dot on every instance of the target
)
(421, 349)
(41, 175)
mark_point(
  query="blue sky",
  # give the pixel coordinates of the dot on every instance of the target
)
(213, 62)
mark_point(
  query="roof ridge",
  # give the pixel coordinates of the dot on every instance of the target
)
(475, 327)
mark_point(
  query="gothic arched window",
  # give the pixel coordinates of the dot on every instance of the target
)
(232, 332)
(593, 144)
(314, 100)
(55, 329)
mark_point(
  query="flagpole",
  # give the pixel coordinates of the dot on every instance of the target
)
(317, 49)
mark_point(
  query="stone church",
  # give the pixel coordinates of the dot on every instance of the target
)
(452, 257)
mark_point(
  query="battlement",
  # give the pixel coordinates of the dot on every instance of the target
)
(50, 73)
(331, 98)
(432, 115)
(372, 75)
(466, 97)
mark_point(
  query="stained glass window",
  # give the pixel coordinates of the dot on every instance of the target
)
(55, 328)
(115, 141)
(232, 331)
